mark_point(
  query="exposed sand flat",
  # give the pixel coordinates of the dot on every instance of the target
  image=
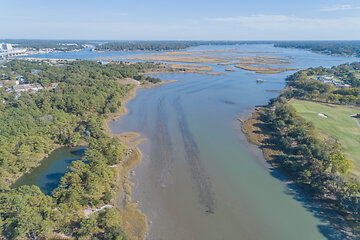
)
(255, 62)
(269, 57)
(265, 70)
(272, 62)
(235, 50)
(257, 52)
(255, 57)
(230, 70)
(182, 53)
(180, 59)
(200, 72)
(240, 58)
(233, 63)
(190, 67)
(212, 73)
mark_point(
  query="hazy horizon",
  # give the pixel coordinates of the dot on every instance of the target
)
(175, 40)
(185, 20)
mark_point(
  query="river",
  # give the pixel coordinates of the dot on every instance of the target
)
(199, 178)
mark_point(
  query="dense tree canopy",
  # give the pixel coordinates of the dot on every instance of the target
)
(71, 112)
(348, 48)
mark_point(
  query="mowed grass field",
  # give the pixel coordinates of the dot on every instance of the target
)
(339, 124)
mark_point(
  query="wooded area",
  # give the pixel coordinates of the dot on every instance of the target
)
(32, 124)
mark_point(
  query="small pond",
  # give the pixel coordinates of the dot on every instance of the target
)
(52, 168)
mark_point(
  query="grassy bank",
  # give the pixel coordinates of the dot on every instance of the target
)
(334, 121)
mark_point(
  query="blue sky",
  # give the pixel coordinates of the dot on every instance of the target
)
(181, 19)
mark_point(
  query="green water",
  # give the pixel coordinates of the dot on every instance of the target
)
(52, 168)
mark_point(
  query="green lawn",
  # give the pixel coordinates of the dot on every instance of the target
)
(339, 124)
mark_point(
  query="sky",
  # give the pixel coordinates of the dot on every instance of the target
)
(181, 19)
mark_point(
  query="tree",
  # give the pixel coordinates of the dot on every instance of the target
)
(115, 233)
(109, 218)
(339, 163)
(26, 212)
(88, 226)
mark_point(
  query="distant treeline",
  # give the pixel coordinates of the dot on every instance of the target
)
(106, 45)
(163, 45)
(346, 48)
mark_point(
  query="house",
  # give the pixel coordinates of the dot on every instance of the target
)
(35, 71)
(26, 88)
(21, 79)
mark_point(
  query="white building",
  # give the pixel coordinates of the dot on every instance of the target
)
(26, 87)
(6, 47)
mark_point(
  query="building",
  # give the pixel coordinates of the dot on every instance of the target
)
(35, 71)
(9, 47)
(7, 50)
(20, 79)
(6, 47)
(26, 88)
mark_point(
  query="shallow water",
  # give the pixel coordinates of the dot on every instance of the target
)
(52, 168)
(194, 162)
(199, 178)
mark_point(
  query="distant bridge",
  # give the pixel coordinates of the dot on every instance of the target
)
(10, 54)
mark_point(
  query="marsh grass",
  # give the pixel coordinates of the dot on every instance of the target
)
(264, 70)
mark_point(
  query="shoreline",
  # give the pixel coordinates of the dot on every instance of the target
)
(136, 222)
(321, 208)
(128, 97)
